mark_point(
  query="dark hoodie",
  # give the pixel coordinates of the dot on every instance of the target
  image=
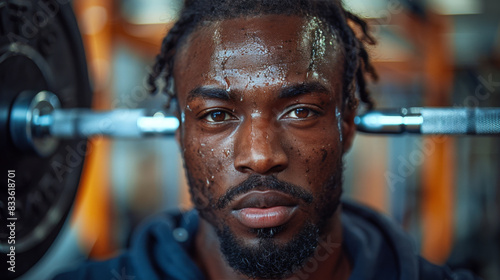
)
(378, 249)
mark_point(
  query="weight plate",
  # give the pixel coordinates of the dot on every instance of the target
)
(40, 49)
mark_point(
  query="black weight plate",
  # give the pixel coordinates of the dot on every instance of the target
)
(40, 49)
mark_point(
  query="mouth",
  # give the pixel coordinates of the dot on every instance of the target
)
(264, 209)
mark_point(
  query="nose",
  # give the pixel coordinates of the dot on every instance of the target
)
(258, 148)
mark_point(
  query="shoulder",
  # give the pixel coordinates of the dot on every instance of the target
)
(431, 271)
(116, 268)
(379, 248)
(159, 250)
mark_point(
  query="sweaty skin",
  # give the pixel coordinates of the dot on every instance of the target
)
(262, 96)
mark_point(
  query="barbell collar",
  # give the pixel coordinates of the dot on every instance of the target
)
(27, 112)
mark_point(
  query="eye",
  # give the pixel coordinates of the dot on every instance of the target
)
(300, 113)
(217, 116)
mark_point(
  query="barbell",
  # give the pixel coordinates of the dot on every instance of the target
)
(40, 49)
(37, 122)
(45, 99)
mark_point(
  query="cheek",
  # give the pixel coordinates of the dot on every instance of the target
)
(208, 161)
(314, 162)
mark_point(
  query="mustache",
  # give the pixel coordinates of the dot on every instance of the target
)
(255, 182)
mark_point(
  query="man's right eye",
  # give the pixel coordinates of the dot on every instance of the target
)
(217, 116)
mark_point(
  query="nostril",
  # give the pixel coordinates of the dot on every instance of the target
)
(244, 169)
(277, 168)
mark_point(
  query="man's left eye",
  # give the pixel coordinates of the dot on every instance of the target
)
(217, 116)
(300, 113)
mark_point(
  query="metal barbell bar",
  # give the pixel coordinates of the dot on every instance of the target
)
(37, 122)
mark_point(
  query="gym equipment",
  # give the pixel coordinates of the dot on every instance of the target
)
(452, 121)
(40, 49)
(37, 122)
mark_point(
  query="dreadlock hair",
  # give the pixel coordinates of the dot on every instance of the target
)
(331, 12)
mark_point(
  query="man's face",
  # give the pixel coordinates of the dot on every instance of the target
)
(262, 131)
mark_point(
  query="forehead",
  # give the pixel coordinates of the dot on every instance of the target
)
(257, 50)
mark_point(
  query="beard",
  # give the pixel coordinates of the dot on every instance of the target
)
(268, 259)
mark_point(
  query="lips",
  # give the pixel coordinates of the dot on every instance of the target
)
(264, 209)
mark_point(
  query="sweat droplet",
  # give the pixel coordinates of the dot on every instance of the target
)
(208, 182)
(339, 122)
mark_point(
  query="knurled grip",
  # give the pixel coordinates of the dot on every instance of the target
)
(471, 121)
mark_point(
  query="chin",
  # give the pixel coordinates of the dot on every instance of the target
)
(269, 253)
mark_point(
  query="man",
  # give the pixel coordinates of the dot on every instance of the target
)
(265, 91)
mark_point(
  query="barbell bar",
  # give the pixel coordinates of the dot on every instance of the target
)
(37, 122)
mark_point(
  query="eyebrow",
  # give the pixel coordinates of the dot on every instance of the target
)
(205, 92)
(300, 89)
(286, 92)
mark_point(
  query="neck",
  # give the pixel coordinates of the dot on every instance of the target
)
(329, 261)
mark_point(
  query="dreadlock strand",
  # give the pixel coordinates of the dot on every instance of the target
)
(364, 64)
(351, 64)
(164, 60)
(364, 93)
(364, 27)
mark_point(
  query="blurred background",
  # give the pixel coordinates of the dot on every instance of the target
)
(444, 191)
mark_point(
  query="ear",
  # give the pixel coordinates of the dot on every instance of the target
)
(178, 130)
(178, 136)
(178, 139)
(348, 128)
